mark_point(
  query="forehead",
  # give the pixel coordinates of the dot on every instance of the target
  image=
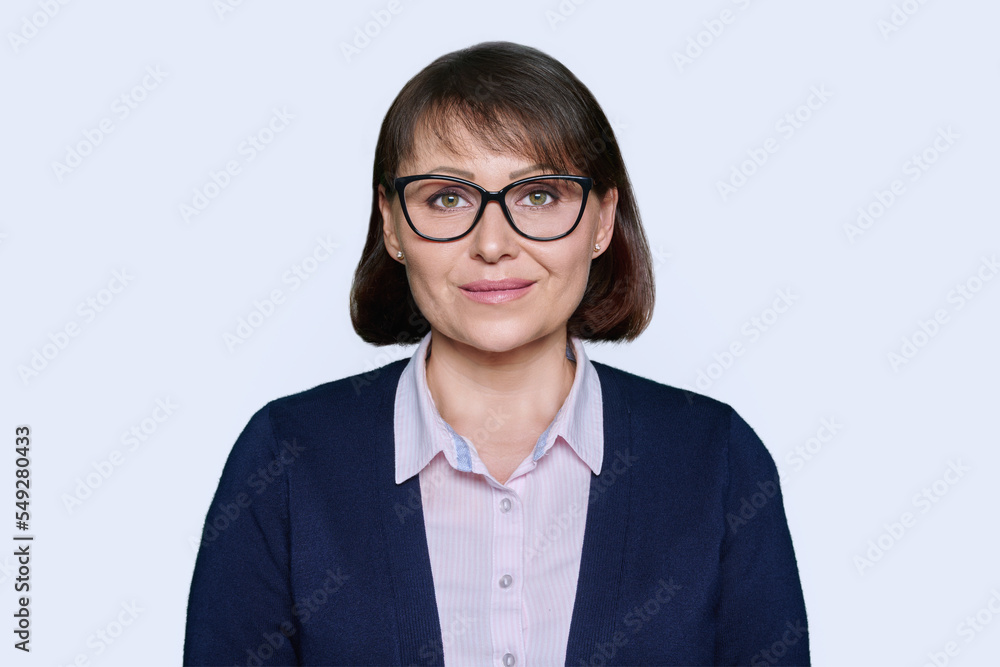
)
(452, 138)
(463, 155)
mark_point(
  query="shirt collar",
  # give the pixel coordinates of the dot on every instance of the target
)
(421, 432)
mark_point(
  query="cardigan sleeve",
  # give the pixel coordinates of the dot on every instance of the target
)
(761, 613)
(240, 603)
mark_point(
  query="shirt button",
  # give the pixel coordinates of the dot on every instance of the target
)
(505, 581)
(508, 660)
(505, 505)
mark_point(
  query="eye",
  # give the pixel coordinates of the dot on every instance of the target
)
(446, 200)
(449, 200)
(538, 198)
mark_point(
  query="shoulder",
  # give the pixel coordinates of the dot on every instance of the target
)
(363, 389)
(330, 418)
(678, 419)
(340, 406)
(646, 397)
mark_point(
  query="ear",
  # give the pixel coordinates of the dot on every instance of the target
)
(388, 224)
(606, 222)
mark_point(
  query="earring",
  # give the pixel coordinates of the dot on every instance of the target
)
(597, 247)
(399, 254)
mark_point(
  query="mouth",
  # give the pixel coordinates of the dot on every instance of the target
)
(496, 291)
(496, 285)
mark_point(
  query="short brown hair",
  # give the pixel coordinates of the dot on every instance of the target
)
(488, 88)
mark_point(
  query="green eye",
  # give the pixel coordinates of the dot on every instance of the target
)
(450, 201)
(538, 197)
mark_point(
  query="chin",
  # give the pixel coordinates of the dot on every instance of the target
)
(499, 336)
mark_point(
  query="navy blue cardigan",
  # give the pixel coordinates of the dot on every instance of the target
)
(311, 554)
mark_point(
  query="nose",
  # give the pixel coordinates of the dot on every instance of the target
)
(493, 237)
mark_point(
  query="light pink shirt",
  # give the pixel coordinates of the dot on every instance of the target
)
(504, 557)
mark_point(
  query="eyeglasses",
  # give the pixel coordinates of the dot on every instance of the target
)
(540, 208)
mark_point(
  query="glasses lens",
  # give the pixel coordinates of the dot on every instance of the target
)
(546, 207)
(439, 208)
(542, 208)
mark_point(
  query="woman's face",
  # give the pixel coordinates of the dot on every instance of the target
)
(437, 271)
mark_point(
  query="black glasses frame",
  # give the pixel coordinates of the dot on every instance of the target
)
(487, 196)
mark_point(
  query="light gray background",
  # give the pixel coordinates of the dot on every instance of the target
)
(718, 264)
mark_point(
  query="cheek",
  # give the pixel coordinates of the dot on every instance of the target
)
(429, 283)
(571, 271)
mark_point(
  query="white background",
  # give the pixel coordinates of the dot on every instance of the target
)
(683, 127)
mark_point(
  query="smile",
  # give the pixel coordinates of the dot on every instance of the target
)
(496, 291)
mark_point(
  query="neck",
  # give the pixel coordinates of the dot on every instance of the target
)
(501, 401)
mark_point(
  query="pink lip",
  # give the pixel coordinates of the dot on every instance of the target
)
(496, 291)
(496, 285)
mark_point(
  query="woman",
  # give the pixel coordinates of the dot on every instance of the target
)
(498, 498)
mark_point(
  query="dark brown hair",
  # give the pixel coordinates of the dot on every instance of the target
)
(516, 99)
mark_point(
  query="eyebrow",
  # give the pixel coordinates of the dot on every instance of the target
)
(470, 176)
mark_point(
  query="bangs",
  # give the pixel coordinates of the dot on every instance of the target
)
(499, 129)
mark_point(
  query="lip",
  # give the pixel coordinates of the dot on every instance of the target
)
(496, 285)
(496, 291)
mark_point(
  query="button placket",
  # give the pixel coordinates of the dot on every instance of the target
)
(508, 557)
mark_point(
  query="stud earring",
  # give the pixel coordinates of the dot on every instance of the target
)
(399, 254)
(597, 247)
